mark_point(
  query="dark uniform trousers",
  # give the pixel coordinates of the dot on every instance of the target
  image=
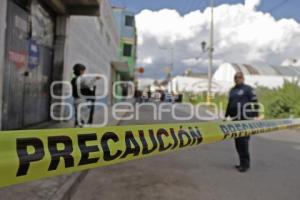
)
(238, 110)
(242, 147)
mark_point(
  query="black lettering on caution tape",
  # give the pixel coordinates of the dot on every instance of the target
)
(25, 158)
(56, 154)
(86, 150)
(61, 148)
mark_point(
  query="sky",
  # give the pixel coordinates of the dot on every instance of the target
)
(258, 32)
(282, 8)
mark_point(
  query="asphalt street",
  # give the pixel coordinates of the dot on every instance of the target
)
(206, 172)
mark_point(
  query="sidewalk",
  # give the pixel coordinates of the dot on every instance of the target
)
(55, 188)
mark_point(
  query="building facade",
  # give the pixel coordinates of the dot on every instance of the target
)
(3, 13)
(195, 85)
(94, 42)
(39, 43)
(126, 26)
(266, 76)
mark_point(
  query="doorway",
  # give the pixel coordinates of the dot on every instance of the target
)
(27, 74)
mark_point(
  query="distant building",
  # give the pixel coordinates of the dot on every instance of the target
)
(128, 40)
(126, 27)
(182, 84)
(144, 83)
(267, 76)
(191, 73)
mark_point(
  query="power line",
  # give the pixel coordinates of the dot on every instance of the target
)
(279, 5)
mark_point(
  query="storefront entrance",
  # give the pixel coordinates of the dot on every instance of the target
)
(29, 58)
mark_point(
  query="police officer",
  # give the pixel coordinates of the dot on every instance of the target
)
(87, 89)
(242, 105)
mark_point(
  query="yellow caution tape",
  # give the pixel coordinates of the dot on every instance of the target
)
(34, 154)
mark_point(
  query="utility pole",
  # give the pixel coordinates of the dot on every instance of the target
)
(169, 75)
(172, 67)
(211, 50)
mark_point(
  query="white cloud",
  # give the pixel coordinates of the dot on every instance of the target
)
(146, 61)
(252, 4)
(242, 34)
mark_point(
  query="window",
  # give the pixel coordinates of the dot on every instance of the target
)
(129, 20)
(127, 50)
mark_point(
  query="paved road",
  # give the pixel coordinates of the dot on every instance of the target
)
(205, 172)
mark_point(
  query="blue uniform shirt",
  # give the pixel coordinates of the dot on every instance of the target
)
(242, 103)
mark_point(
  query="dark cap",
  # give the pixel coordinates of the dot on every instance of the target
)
(78, 68)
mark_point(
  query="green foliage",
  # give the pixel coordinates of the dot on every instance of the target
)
(193, 98)
(281, 102)
(220, 100)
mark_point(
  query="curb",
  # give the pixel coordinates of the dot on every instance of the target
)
(67, 190)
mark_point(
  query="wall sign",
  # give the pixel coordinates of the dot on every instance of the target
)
(34, 54)
(18, 58)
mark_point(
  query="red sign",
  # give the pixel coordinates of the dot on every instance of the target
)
(141, 70)
(18, 58)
